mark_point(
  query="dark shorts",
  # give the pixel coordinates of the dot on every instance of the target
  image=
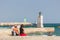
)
(13, 33)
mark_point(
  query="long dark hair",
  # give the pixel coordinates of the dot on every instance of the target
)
(21, 29)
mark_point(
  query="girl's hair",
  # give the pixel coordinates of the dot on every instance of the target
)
(22, 26)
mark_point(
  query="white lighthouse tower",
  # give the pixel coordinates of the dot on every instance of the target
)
(40, 21)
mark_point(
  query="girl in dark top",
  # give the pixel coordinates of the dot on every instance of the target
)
(22, 31)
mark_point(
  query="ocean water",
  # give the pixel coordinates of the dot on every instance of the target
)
(55, 25)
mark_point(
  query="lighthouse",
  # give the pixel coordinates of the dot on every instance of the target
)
(40, 20)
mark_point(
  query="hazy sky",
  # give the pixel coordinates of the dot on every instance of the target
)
(16, 10)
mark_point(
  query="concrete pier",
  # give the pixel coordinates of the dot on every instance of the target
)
(14, 23)
(29, 30)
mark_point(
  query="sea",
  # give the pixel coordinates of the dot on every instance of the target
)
(55, 25)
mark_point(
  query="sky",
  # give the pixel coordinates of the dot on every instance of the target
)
(17, 10)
